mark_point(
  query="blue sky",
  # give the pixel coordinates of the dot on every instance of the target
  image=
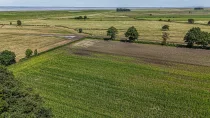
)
(107, 3)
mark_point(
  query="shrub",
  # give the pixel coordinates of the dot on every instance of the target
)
(28, 53)
(112, 31)
(132, 33)
(209, 23)
(80, 30)
(19, 23)
(10, 23)
(80, 17)
(165, 37)
(35, 52)
(192, 36)
(191, 21)
(7, 58)
(169, 20)
(165, 27)
(160, 20)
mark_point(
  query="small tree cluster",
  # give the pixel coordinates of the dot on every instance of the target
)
(191, 21)
(196, 36)
(7, 58)
(80, 18)
(122, 10)
(112, 32)
(165, 27)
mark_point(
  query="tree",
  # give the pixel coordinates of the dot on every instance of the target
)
(19, 102)
(28, 53)
(191, 21)
(132, 33)
(112, 32)
(7, 58)
(204, 39)
(165, 37)
(192, 36)
(165, 27)
(35, 52)
(85, 17)
(19, 23)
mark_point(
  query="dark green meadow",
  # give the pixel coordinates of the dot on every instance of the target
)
(103, 85)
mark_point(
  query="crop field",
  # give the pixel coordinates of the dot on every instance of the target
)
(78, 81)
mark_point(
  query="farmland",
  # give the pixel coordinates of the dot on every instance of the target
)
(84, 83)
(96, 78)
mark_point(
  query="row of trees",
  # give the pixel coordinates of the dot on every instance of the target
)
(122, 10)
(8, 57)
(131, 33)
(193, 36)
(80, 17)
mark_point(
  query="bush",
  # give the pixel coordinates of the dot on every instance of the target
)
(80, 17)
(169, 20)
(112, 31)
(28, 53)
(7, 58)
(132, 33)
(191, 21)
(19, 23)
(160, 20)
(80, 30)
(165, 37)
(209, 23)
(10, 23)
(35, 52)
(165, 27)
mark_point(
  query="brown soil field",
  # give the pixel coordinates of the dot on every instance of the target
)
(149, 53)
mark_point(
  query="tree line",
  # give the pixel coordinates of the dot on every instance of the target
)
(192, 37)
(122, 10)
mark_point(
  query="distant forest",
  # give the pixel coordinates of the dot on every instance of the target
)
(122, 10)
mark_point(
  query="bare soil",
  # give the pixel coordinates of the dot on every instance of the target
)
(149, 53)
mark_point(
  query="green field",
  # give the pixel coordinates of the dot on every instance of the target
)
(104, 85)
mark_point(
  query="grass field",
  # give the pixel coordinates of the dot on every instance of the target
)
(79, 83)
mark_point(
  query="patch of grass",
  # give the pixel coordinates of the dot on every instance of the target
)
(112, 86)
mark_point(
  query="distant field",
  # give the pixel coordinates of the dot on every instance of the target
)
(18, 39)
(145, 20)
(75, 81)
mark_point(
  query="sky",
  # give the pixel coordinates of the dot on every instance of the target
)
(108, 3)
